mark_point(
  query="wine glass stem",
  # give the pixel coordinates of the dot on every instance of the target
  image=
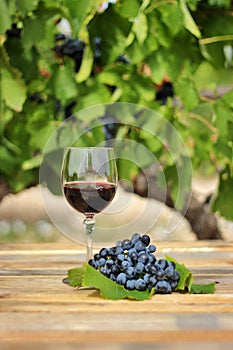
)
(89, 224)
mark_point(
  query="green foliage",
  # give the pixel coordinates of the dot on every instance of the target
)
(186, 42)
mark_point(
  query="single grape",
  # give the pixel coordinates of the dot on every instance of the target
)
(126, 244)
(169, 270)
(142, 257)
(139, 246)
(139, 267)
(120, 258)
(93, 263)
(101, 262)
(109, 263)
(146, 278)
(103, 252)
(162, 287)
(145, 239)
(125, 264)
(152, 248)
(130, 284)
(105, 271)
(130, 272)
(175, 276)
(121, 278)
(160, 274)
(162, 263)
(135, 237)
(140, 284)
(115, 269)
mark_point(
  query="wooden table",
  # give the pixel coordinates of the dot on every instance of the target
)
(38, 311)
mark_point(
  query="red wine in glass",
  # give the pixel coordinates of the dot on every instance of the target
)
(89, 198)
(89, 180)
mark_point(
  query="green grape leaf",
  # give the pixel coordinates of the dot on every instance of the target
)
(108, 288)
(5, 19)
(75, 276)
(223, 201)
(186, 277)
(188, 20)
(14, 91)
(203, 288)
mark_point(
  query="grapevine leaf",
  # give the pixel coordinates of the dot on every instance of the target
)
(75, 276)
(203, 288)
(186, 277)
(223, 201)
(5, 19)
(108, 288)
(13, 90)
(188, 20)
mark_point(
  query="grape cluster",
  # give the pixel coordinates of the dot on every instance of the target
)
(131, 263)
(73, 48)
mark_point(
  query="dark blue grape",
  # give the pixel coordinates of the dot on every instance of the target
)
(143, 258)
(118, 244)
(175, 276)
(92, 262)
(126, 244)
(130, 272)
(146, 278)
(109, 263)
(103, 252)
(119, 250)
(125, 264)
(96, 257)
(153, 269)
(121, 278)
(132, 250)
(151, 258)
(135, 237)
(134, 257)
(162, 287)
(105, 271)
(147, 267)
(139, 267)
(130, 284)
(152, 248)
(101, 262)
(169, 270)
(153, 280)
(140, 284)
(120, 258)
(115, 269)
(160, 274)
(112, 251)
(173, 284)
(145, 239)
(139, 246)
(162, 263)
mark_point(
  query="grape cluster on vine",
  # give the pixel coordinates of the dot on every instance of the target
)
(73, 48)
(132, 263)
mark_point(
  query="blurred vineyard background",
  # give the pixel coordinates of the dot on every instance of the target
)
(175, 57)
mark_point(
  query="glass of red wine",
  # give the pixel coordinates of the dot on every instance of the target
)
(89, 180)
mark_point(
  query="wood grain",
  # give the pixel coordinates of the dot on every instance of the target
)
(38, 311)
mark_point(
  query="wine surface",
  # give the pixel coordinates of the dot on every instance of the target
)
(89, 198)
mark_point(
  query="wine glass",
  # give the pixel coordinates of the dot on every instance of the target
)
(89, 180)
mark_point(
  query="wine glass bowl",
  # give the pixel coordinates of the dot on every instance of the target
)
(89, 180)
